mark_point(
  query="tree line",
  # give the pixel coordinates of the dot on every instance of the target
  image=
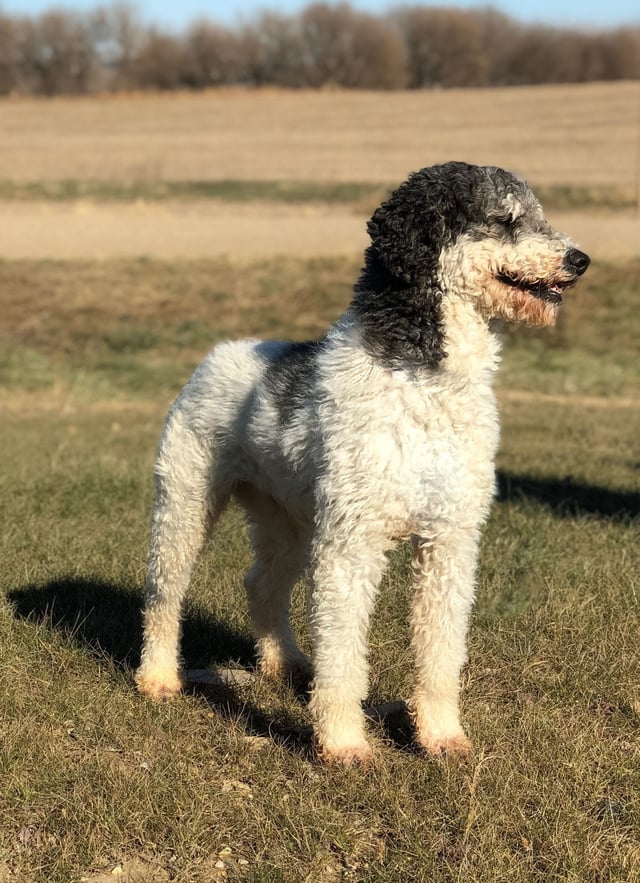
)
(110, 49)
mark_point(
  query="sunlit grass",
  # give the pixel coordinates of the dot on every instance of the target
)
(95, 778)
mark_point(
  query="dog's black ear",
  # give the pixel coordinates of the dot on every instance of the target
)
(407, 232)
(398, 297)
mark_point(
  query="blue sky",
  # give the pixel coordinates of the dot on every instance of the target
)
(176, 15)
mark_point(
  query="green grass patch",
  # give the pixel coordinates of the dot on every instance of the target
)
(296, 192)
(94, 778)
(228, 190)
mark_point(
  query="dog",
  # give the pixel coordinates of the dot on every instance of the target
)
(384, 430)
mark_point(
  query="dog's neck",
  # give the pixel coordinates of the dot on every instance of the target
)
(472, 345)
(420, 328)
(400, 318)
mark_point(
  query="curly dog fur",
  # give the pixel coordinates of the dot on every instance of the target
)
(385, 429)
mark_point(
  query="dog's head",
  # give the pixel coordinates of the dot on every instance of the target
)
(478, 233)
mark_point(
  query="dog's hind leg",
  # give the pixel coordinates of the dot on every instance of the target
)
(280, 549)
(444, 575)
(182, 517)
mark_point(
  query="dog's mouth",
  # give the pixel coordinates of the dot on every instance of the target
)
(548, 290)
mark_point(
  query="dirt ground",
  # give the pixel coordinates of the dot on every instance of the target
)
(240, 231)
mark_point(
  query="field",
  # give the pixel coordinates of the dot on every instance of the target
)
(197, 175)
(580, 135)
(116, 277)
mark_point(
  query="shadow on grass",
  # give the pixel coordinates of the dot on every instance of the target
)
(398, 729)
(568, 498)
(105, 619)
(275, 724)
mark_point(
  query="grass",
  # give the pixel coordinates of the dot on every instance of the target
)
(354, 193)
(94, 778)
(137, 328)
(297, 192)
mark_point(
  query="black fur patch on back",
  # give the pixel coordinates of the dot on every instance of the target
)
(291, 375)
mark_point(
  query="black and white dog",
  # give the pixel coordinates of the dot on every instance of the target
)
(385, 429)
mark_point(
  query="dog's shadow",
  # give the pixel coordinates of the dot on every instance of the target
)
(568, 498)
(105, 620)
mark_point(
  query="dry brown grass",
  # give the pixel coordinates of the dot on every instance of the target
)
(583, 135)
(109, 156)
(177, 230)
(77, 331)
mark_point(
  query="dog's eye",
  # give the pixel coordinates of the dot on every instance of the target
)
(500, 219)
(500, 226)
(507, 226)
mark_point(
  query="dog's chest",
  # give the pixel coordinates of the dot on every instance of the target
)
(421, 452)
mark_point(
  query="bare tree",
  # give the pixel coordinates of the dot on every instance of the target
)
(619, 52)
(118, 36)
(275, 51)
(160, 62)
(445, 47)
(213, 56)
(9, 56)
(325, 44)
(56, 54)
(352, 49)
(498, 34)
(628, 52)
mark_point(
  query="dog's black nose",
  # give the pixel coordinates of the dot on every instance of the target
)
(576, 261)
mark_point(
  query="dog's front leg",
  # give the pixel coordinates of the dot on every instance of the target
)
(444, 567)
(347, 572)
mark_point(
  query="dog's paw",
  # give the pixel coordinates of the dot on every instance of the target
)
(456, 746)
(160, 689)
(347, 756)
(296, 671)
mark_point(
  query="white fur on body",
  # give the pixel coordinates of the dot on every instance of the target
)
(373, 456)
